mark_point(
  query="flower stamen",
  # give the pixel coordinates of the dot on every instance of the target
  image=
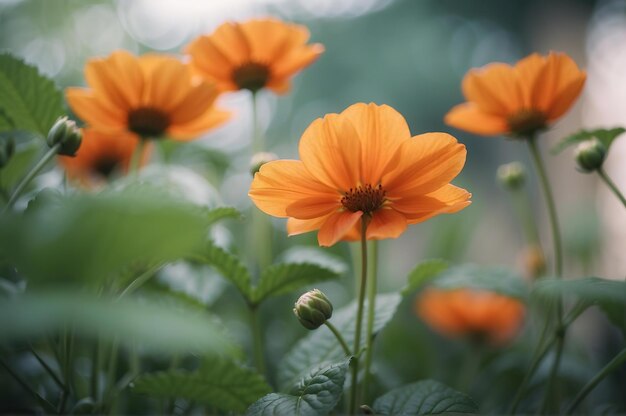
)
(147, 122)
(251, 76)
(365, 198)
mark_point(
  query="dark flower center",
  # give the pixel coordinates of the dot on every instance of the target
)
(251, 76)
(526, 123)
(106, 165)
(365, 198)
(147, 122)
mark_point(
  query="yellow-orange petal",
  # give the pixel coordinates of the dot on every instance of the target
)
(296, 60)
(527, 70)
(296, 226)
(566, 98)
(494, 89)
(209, 59)
(94, 111)
(469, 117)
(167, 81)
(386, 223)
(558, 73)
(194, 128)
(446, 200)
(314, 207)
(336, 226)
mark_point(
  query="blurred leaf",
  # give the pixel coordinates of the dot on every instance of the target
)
(316, 255)
(321, 345)
(21, 161)
(279, 279)
(609, 295)
(221, 213)
(315, 394)
(424, 273)
(228, 265)
(6, 124)
(31, 101)
(156, 327)
(426, 397)
(606, 136)
(219, 383)
(494, 279)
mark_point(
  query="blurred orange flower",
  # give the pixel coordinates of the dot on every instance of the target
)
(362, 163)
(517, 100)
(472, 313)
(102, 156)
(252, 55)
(151, 95)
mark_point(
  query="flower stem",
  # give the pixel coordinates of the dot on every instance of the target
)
(49, 370)
(371, 314)
(611, 185)
(526, 217)
(258, 144)
(606, 370)
(31, 174)
(42, 402)
(337, 334)
(257, 340)
(359, 318)
(135, 160)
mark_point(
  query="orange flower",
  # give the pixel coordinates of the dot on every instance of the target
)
(101, 156)
(253, 55)
(362, 163)
(473, 313)
(518, 100)
(151, 96)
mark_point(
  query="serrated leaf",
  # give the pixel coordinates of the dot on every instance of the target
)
(494, 279)
(221, 213)
(315, 394)
(426, 397)
(279, 279)
(321, 345)
(21, 161)
(609, 295)
(606, 137)
(316, 255)
(424, 273)
(219, 383)
(28, 99)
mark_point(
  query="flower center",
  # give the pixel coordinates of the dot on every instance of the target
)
(251, 76)
(105, 166)
(147, 122)
(527, 122)
(365, 198)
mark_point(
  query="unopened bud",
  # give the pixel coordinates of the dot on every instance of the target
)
(259, 159)
(512, 175)
(313, 309)
(590, 155)
(7, 148)
(67, 134)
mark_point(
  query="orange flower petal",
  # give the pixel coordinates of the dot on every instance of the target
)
(296, 226)
(448, 199)
(386, 223)
(93, 110)
(566, 98)
(117, 78)
(168, 81)
(336, 226)
(197, 101)
(557, 75)
(194, 128)
(469, 117)
(494, 89)
(295, 61)
(313, 207)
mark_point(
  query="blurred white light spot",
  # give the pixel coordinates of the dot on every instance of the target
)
(47, 54)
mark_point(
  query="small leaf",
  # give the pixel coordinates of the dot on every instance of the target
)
(221, 213)
(219, 383)
(314, 395)
(495, 279)
(321, 345)
(424, 273)
(283, 278)
(21, 161)
(316, 255)
(606, 136)
(426, 397)
(28, 99)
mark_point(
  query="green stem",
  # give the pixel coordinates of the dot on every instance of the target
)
(139, 281)
(359, 317)
(611, 185)
(135, 161)
(372, 289)
(42, 402)
(337, 334)
(521, 204)
(95, 370)
(606, 370)
(48, 369)
(31, 174)
(257, 340)
(258, 142)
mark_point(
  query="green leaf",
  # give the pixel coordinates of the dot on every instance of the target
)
(315, 394)
(219, 383)
(494, 279)
(21, 161)
(321, 345)
(606, 136)
(424, 273)
(221, 213)
(316, 255)
(152, 324)
(426, 397)
(609, 295)
(28, 99)
(283, 278)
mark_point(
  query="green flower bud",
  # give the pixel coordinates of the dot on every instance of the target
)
(7, 148)
(313, 309)
(67, 134)
(259, 159)
(590, 155)
(512, 176)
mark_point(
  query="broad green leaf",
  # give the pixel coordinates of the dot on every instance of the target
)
(22, 160)
(424, 273)
(221, 213)
(316, 255)
(321, 345)
(495, 279)
(426, 397)
(219, 383)
(148, 322)
(606, 136)
(315, 394)
(609, 295)
(283, 278)
(28, 99)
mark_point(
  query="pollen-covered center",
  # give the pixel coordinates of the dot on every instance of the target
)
(365, 198)
(251, 76)
(147, 122)
(527, 122)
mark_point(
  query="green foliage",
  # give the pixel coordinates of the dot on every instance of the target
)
(228, 265)
(219, 383)
(423, 273)
(28, 100)
(316, 255)
(605, 136)
(21, 161)
(608, 295)
(315, 394)
(217, 214)
(280, 279)
(426, 397)
(321, 345)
